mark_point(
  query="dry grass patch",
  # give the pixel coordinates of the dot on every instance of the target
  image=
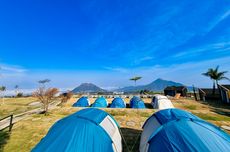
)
(16, 105)
(27, 133)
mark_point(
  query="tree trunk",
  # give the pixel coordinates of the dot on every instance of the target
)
(3, 100)
(44, 107)
(214, 88)
(47, 107)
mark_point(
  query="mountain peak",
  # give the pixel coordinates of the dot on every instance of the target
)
(159, 79)
(87, 87)
(157, 85)
(87, 84)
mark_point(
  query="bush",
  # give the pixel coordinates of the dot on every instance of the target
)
(20, 94)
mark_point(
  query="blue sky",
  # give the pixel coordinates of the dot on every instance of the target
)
(107, 42)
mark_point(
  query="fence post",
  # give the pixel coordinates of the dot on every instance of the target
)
(11, 123)
(194, 91)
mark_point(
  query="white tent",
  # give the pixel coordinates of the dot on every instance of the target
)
(161, 102)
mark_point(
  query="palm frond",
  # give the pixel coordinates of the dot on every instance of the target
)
(223, 77)
(214, 74)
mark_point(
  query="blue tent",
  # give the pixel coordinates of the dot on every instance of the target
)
(100, 103)
(82, 102)
(88, 130)
(136, 102)
(178, 130)
(118, 103)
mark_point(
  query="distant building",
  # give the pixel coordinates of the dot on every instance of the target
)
(173, 90)
(224, 93)
(118, 93)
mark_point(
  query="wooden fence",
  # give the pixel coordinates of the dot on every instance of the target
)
(6, 122)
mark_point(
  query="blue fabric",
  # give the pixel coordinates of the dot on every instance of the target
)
(82, 102)
(77, 132)
(100, 103)
(92, 114)
(182, 131)
(167, 115)
(136, 102)
(118, 103)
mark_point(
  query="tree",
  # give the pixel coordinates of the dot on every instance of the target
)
(43, 82)
(3, 89)
(46, 96)
(16, 87)
(66, 96)
(215, 76)
(20, 94)
(135, 79)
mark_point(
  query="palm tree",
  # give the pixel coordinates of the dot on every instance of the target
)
(216, 76)
(16, 90)
(2, 89)
(135, 79)
(43, 82)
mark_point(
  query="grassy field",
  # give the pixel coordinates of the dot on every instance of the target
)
(28, 132)
(15, 105)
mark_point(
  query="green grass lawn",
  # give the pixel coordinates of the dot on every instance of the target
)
(32, 129)
(16, 105)
(28, 132)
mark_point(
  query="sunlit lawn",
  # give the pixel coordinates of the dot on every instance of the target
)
(15, 105)
(27, 133)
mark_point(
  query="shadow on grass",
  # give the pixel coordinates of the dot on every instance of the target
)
(217, 104)
(221, 112)
(4, 137)
(148, 106)
(132, 139)
(218, 107)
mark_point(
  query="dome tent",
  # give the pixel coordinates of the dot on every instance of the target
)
(178, 130)
(136, 102)
(118, 103)
(161, 102)
(100, 103)
(82, 102)
(88, 130)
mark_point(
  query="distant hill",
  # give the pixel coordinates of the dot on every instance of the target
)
(157, 85)
(87, 88)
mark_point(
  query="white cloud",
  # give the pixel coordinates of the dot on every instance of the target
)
(210, 48)
(186, 73)
(219, 19)
(12, 68)
(117, 69)
(143, 59)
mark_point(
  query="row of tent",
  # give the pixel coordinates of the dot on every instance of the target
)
(168, 130)
(158, 102)
(117, 102)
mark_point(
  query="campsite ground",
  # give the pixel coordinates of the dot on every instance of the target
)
(28, 132)
(16, 105)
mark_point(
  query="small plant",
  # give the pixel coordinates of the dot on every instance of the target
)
(20, 94)
(3, 89)
(65, 97)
